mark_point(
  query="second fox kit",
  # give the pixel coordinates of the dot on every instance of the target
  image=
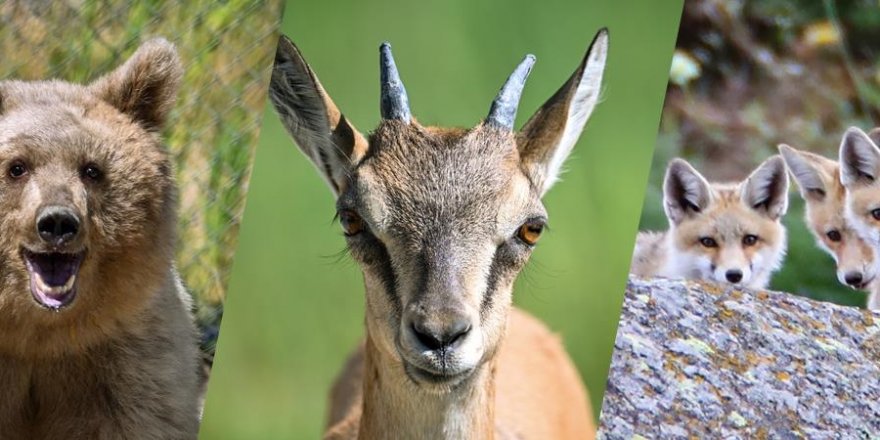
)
(96, 339)
(859, 173)
(819, 181)
(722, 232)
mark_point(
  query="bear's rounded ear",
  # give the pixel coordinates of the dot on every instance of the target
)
(145, 86)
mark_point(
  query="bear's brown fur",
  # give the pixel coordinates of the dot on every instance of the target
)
(110, 352)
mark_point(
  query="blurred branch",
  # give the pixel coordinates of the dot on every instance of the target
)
(859, 85)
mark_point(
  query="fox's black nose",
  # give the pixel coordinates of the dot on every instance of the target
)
(734, 275)
(57, 225)
(853, 278)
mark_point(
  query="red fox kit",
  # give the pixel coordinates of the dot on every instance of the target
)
(722, 232)
(859, 170)
(819, 181)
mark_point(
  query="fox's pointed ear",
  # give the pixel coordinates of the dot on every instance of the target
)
(766, 189)
(859, 158)
(806, 171)
(685, 191)
(145, 86)
(550, 134)
(317, 126)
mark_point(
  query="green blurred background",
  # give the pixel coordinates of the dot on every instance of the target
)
(749, 75)
(295, 308)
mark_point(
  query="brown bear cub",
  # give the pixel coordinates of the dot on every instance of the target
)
(96, 337)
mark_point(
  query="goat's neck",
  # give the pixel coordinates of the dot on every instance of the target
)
(395, 407)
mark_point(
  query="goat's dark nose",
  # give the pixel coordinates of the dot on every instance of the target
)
(853, 278)
(445, 336)
(57, 225)
(734, 275)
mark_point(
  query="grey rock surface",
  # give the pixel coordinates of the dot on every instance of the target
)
(696, 360)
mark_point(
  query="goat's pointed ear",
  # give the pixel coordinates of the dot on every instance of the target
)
(859, 158)
(766, 189)
(550, 134)
(807, 170)
(685, 191)
(317, 126)
(145, 86)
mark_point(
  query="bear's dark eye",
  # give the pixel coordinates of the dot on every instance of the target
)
(876, 214)
(17, 170)
(92, 172)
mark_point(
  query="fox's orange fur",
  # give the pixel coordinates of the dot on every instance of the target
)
(722, 232)
(859, 159)
(818, 179)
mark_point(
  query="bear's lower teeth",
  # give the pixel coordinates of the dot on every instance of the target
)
(54, 290)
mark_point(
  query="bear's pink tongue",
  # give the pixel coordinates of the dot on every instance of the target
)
(53, 277)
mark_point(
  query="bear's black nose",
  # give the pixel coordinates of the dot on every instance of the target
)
(57, 225)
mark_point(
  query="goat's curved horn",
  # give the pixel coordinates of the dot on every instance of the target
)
(394, 103)
(503, 111)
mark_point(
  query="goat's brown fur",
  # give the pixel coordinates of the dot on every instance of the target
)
(433, 219)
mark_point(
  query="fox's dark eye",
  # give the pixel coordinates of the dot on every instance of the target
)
(352, 223)
(750, 240)
(834, 235)
(876, 214)
(91, 172)
(530, 231)
(708, 242)
(17, 170)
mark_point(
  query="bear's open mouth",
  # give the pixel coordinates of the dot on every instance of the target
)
(53, 277)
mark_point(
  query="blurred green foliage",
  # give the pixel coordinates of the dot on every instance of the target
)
(295, 307)
(772, 71)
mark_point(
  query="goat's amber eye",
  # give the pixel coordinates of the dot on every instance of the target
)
(530, 232)
(352, 223)
(17, 169)
(708, 242)
(876, 214)
(750, 240)
(834, 235)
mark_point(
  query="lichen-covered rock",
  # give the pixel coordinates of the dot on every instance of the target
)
(696, 360)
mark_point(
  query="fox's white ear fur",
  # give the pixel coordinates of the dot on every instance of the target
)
(685, 191)
(859, 158)
(807, 172)
(766, 189)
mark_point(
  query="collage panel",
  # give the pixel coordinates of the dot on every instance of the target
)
(749, 311)
(297, 306)
(127, 134)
